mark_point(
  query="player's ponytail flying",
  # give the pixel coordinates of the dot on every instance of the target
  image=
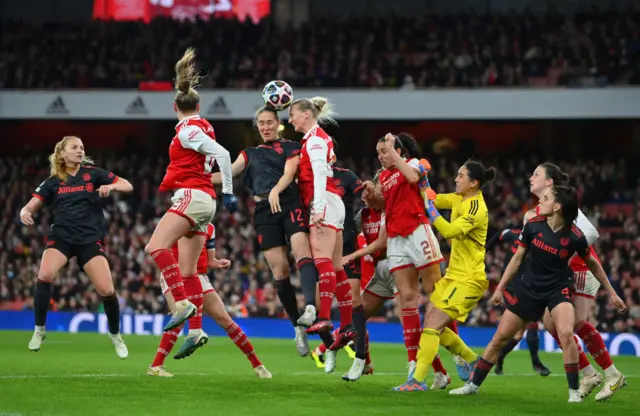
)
(56, 159)
(320, 107)
(187, 78)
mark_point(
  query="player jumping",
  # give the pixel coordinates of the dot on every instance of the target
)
(193, 153)
(549, 240)
(279, 217)
(327, 213)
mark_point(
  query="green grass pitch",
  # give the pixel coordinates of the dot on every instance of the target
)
(79, 374)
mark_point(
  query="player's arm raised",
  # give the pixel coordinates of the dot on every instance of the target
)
(410, 173)
(462, 225)
(236, 168)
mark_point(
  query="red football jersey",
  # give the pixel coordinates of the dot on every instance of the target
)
(188, 167)
(209, 244)
(372, 220)
(404, 206)
(367, 266)
(315, 144)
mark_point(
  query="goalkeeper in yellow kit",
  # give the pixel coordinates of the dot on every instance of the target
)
(465, 282)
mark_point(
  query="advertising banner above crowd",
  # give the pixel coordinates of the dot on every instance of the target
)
(494, 104)
(146, 10)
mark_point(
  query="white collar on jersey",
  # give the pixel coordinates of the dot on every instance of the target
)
(315, 126)
(195, 116)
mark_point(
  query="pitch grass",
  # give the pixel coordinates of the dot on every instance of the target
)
(79, 374)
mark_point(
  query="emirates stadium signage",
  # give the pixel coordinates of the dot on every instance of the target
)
(481, 104)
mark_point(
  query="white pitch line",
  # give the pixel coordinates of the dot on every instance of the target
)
(309, 373)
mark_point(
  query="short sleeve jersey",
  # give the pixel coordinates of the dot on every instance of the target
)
(547, 267)
(188, 167)
(76, 205)
(316, 145)
(404, 206)
(264, 166)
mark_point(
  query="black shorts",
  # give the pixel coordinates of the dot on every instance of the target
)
(531, 309)
(275, 230)
(83, 252)
(352, 269)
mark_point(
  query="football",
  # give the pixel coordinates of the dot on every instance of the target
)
(277, 95)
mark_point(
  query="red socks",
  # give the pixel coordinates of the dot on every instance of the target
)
(239, 338)
(166, 345)
(193, 288)
(343, 294)
(166, 262)
(453, 325)
(411, 329)
(594, 343)
(437, 365)
(327, 286)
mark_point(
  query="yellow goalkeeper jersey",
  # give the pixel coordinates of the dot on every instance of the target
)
(467, 232)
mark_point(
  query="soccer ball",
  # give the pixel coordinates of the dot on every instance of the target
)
(277, 95)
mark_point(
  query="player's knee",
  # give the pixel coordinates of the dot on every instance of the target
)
(46, 275)
(105, 289)
(408, 297)
(501, 337)
(565, 335)
(300, 247)
(149, 248)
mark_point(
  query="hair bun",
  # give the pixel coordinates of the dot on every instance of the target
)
(490, 174)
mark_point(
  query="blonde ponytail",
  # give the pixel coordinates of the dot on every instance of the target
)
(187, 80)
(320, 107)
(325, 111)
(281, 131)
(56, 159)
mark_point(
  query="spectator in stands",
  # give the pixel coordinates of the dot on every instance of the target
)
(592, 48)
(247, 287)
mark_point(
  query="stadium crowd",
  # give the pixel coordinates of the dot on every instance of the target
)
(590, 48)
(609, 191)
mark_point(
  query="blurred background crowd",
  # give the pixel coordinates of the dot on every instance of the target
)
(610, 193)
(470, 49)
